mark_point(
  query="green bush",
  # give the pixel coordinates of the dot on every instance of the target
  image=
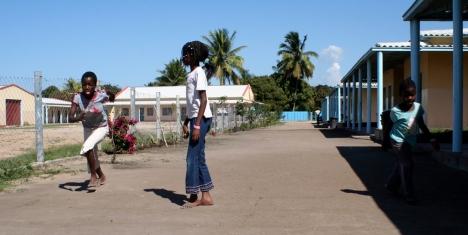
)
(145, 141)
(107, 146)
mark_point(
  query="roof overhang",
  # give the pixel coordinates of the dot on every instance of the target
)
(433, 10)
(370, 55)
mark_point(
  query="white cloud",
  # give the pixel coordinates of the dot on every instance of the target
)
(333, 55)
(333, 75)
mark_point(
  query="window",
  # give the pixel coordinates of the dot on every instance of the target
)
(125, 112)
(167, 111)
(150, 111)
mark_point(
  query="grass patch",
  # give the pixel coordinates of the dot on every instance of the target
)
(62, 152)
(21, 166)
(3, 186)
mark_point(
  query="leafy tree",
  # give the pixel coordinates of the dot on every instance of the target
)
(295, 63)
(227, 64)
(72, 86)
(50, 92)
(267, 91)
(112, 88)
(321, 91)
(174, 74)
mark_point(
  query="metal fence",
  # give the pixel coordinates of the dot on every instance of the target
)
(34, 112)
(225, 118)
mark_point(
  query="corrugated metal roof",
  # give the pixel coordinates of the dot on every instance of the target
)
(408, 45)
(441, 33)
(170, 92)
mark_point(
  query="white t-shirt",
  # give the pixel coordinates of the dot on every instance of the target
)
(196, 81)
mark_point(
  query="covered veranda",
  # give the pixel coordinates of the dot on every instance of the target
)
(441, 10)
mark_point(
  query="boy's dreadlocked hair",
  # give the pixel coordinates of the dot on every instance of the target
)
(199, 52)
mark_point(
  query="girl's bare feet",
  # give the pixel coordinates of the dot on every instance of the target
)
(204, 202)
(196, 203)
(192, 204)
(193, 198)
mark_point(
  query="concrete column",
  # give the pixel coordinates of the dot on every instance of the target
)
(359, 114)
(61, 116)
(457, 103)
(415, 57)
(379, 88)
(353, 106)
(344, 101)
(348, 106)
(369, 97)
(328, 108)
(339, 103)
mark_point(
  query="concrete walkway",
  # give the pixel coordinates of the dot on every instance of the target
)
(289, 179)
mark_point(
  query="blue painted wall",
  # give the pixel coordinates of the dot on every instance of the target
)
(296, 116)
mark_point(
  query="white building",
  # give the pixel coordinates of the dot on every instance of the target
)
(145, 100)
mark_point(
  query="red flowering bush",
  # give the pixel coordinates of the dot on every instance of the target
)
(118, 132)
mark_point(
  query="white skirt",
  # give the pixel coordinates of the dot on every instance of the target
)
(92, 137)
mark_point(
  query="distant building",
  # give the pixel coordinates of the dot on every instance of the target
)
(394, 57)
(145, 100)
(17, 107)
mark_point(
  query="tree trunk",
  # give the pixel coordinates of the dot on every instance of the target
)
(295, 97)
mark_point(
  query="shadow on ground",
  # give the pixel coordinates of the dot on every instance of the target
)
(76, 186)
(335, 133)
(442, 192)
(178, 199)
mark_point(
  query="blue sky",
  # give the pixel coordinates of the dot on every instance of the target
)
(127, 42)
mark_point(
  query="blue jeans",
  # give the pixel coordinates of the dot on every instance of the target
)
(198, 177)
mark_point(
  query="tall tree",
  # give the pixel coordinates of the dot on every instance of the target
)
(112, 88)
(72, 86)
(173, 75)
(267, 91)
(50, 92)
(295, 63)
(321, 91)
(223, 56)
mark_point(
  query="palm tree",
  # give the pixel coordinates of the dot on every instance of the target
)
(227, 64)
(173, 75)
(72, 86)
(295, 63)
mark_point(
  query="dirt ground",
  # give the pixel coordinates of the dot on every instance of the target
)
(289, 179)
(15, 141)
